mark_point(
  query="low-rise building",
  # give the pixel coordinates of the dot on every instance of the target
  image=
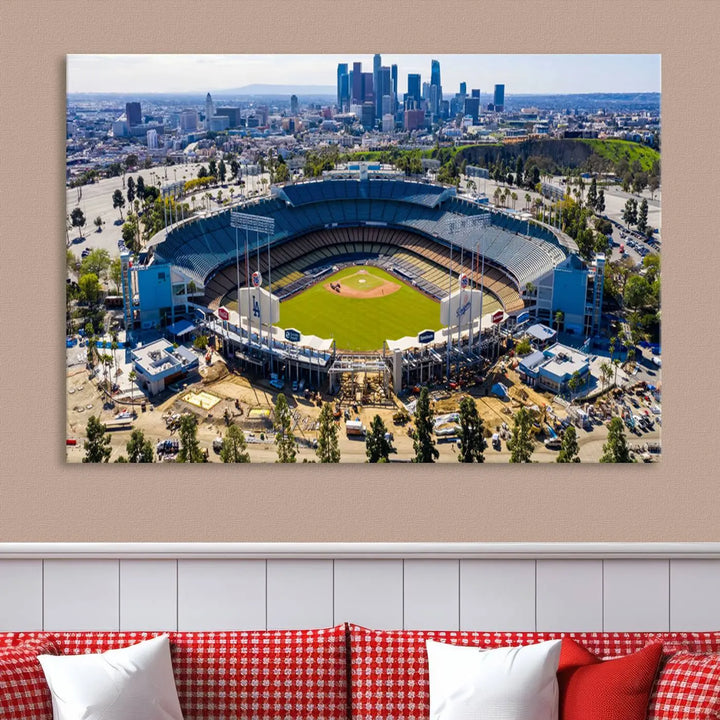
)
(158, 364)
(552, 368)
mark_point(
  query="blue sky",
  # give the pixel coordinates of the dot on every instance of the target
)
(521, 74)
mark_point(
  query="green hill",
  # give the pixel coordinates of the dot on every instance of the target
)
(616, 150)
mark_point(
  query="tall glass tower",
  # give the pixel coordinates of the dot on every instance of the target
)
(436, 95)
(343, 87)
(499, 98)
(414, 87)
(377, 84)
(209, 110)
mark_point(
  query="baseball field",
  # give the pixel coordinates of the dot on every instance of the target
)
(360, 307)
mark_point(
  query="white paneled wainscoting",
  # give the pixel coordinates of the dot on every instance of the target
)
(483, 586)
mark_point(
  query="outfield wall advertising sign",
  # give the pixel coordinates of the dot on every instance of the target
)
(292, 335)
(498, 316)
(223, 313)
(522, 317)
(258, 304)
(426, 336)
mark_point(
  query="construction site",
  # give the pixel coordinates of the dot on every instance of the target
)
(222, 396)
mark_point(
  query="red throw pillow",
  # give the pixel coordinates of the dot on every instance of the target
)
(617, 689)
(24, 692)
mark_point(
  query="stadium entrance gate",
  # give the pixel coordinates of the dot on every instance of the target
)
(359, 378)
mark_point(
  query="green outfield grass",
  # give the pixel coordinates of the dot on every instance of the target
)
(360, 324)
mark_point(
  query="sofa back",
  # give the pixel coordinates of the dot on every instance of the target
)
(389, 668)
(264, 675)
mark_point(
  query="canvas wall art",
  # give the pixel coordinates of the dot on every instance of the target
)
(372, 258)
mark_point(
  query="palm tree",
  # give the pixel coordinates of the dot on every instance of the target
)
(573, 385)
(91, 352)
(132, 377)
(527, 200)
(514, 197)
(606, 372)
(106, 362)
(631, 355)
(114, 346)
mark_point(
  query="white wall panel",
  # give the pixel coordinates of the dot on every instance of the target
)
(431, 594)
(636, 595)
(569, 595)
(81, 595)
(299, 594)
(641, 587)
(21, 595)
(497, 595)
(369, 593)
(148, 595)
(695, 595)
(221, 595)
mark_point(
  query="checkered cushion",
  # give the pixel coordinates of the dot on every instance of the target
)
(24, 692)
(258, 675)
(691, 642)
(688, 688)
(389, 672)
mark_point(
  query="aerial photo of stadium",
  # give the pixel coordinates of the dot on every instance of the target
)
(364, 312)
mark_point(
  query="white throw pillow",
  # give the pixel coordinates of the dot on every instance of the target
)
(509, 683)
(135, 682)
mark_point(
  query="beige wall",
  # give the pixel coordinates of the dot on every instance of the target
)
(42, 499)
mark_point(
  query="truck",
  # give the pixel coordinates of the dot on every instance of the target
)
(277, 382)
(354, 428)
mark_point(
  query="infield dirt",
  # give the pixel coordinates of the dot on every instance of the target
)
(362, 284)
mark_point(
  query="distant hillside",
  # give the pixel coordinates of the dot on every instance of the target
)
(588, 102)
(557, 155)
(275, 90)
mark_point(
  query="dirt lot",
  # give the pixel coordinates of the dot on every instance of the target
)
(238, 397)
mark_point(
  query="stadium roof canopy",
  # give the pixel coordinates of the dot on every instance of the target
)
(202, 245)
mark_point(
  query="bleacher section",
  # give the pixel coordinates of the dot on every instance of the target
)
(311, 217)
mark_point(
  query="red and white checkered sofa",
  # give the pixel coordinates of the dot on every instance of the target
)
(343, 672)
(389, 668)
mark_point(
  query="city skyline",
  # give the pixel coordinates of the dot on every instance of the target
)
(521, 74)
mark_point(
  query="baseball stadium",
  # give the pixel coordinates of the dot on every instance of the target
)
(354, 272)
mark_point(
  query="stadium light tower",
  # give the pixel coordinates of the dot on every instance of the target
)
(258, 224)
(176, 190)
(462, 227)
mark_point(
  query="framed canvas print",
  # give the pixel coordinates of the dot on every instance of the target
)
(369, 258)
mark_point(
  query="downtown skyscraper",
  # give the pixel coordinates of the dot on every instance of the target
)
(343, 87)
(499, 98)
(377, 84)
(435, 88)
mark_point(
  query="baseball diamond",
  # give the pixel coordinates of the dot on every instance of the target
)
(359, 318)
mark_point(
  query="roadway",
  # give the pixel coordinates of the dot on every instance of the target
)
(96, 200)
